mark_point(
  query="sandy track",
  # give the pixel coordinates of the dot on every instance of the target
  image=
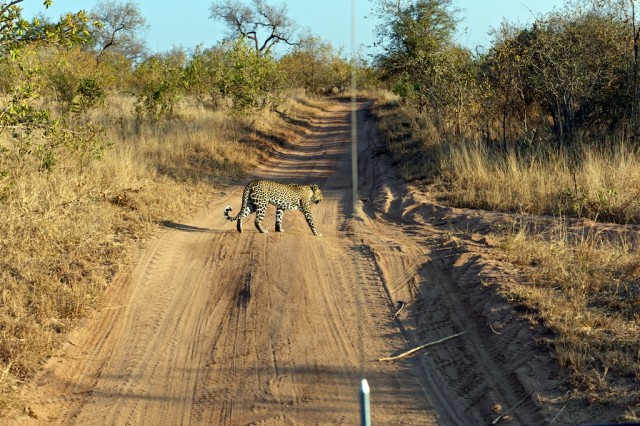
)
(216, 327)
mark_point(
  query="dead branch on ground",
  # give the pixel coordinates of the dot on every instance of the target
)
(416, 349)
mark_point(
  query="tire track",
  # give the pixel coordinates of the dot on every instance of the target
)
(442, 282)
(153, 320)
(465, 377)
(483, 377)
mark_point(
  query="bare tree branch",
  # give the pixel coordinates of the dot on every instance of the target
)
(119, 29)
(263, 24)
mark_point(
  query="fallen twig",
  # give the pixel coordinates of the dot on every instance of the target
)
(558, 415)
(416, 349)
(512, 408)
(401, 305)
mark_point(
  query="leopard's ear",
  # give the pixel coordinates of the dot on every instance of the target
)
(314, 187)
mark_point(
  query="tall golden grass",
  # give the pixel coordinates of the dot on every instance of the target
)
(601, 184)
(594, 183)
(66, 232)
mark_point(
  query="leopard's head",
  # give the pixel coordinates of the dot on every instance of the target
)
(316, 195)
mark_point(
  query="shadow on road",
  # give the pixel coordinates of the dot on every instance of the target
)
(183, 227)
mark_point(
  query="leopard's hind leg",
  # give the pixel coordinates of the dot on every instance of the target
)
(279, 216)
(260, 214)
(251, 207)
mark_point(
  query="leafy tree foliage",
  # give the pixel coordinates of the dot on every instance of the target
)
(418, 55)
(205, 74)
(503, 72)
(411, 34)
(17, 33)
(34, 131)
(423, 65)
(574, 66)
(89, 94)
(576, 89)
(573, 74)
(251, 81)
(232, 72)
(317, 67)
(159, 83)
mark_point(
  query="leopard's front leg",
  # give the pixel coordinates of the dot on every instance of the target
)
(309, 217)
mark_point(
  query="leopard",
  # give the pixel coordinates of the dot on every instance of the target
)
(284, 196)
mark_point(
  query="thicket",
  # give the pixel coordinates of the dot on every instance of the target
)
(558, 92)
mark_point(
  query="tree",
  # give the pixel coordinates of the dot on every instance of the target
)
(626, 10)
(159, 84)
(204, 74)
(71, 79)
(504, 67)
(414, 36)
(17, 33)
(260, 23)
(316, 67)
(33, 130)
(576, 69)
(411, 32)
(251, 81)
(118, 28)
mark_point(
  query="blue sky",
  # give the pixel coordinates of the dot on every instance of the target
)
(187, 24)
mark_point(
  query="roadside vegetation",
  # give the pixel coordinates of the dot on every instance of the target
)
(544, 122)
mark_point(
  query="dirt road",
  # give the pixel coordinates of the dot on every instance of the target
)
(216, 327)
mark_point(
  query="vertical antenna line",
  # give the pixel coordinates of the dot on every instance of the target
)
(354, 184)
(354, 112)
(365, 409)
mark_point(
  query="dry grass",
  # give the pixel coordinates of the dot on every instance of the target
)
(585, 287)
(67, 232)
(412, 143)
(599, 185)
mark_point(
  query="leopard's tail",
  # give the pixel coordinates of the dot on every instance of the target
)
(245, 202)
(226, 214)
